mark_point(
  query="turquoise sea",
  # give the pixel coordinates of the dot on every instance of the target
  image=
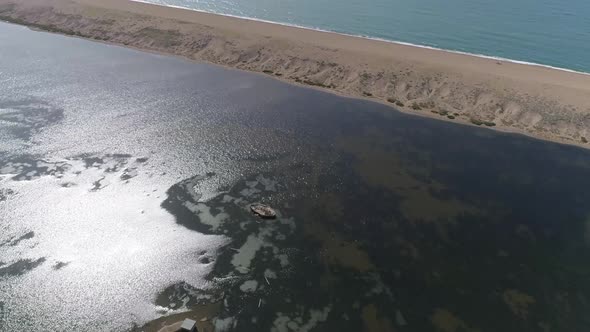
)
(549, 32)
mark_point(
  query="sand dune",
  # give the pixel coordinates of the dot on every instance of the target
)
(537, 101)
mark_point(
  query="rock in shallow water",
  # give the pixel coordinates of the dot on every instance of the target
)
(263, 211)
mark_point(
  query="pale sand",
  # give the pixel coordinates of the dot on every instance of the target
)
(537, 101)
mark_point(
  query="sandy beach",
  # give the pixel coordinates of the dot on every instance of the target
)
(534, 100)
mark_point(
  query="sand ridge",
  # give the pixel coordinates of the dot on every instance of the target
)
(538, 101)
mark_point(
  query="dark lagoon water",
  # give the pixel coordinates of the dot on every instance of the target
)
(126, 177)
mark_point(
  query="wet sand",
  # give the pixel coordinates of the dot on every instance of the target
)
(537, 101)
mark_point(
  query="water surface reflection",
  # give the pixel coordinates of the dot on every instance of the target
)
(126, 180)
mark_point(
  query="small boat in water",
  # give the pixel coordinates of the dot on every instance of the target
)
(263, 211)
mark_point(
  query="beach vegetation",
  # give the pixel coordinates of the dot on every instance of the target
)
(427, 104)
(476, 122)
(584, 140)
(452, 117)
(367, 94)
(328, 64)
(313, 83)
(416, 107)
(489, 123)
(396, 102)
(269, 72)
(161, 37)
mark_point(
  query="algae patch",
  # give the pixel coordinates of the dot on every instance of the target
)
(518, 302)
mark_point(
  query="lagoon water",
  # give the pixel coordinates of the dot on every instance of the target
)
(548, 32)
(125, 181)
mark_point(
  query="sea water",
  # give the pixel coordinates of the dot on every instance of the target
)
(549, 32)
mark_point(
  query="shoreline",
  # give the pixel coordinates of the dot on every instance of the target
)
(531, 99)
(397, 42)
(500, 129)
